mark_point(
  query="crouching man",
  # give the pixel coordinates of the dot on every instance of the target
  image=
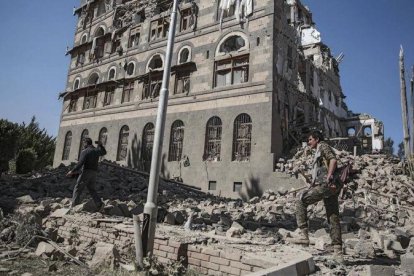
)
(88, 166)
(325, 186)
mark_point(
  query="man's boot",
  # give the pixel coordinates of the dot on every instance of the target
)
(302, 239)
(338, 255)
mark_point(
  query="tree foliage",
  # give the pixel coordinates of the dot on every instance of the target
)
(15, 138)
(389, 146)
(401, 151)
(9, 133)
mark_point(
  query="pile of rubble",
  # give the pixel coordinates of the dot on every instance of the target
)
(377, 209)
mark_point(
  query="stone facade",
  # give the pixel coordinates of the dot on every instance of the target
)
(244, 88)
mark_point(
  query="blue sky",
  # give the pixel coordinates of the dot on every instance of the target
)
(369, 33)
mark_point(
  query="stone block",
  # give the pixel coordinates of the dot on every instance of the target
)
(105, 254)
(407, 263)
(380, 270)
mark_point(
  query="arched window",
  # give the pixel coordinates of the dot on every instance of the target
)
(351, 131)
(66, 145)
(367, 131)
(235, 68)
(184, 55)
(130, 69)
(103, 136)
(242, 137)
(232, 43)
(85, 134)
(101, 8)
(123, 144)
(76, 84)
(84, 38)
(111, 74)
(93, 79)
(99, 32)
(212, 147)
(147, 142)
(156, 63)
(176, 141)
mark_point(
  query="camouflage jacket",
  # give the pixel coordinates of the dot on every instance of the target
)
(323, 155)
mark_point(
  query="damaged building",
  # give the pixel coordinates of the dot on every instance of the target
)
(248, 80)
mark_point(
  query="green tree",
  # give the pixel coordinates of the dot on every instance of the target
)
(15, 138)
(401, 151)
(9, 133)
(37, 139)
(389, 146)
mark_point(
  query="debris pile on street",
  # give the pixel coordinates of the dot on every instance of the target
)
(377, 212)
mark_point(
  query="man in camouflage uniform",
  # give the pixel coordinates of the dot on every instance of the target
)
(325, 186)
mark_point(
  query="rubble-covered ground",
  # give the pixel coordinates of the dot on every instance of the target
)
(377, 210)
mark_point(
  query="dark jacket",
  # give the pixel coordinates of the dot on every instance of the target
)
(89, 158)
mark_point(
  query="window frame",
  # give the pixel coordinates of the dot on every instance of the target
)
(232, 69)
(175, 152)
(123, 141)
(213, 137)
(238, 153)
(67, 145)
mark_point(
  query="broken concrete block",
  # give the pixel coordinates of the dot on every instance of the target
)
(380, 270)
(45, 249)
(235, 230)
(59, 213)
(407, 263)
(105, 254)
(320, 233)
(363, 249)
(169, 219)
(25, 199)
(393, 245)
(179, 217)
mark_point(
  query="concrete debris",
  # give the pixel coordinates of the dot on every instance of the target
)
(377, 211)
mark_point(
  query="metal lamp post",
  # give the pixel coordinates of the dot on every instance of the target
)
(150, 207)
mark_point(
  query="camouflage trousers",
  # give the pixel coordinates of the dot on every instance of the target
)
(330, 199)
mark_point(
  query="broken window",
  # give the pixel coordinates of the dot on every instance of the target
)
(134, 37)
(152, 85)
(159, 28)
(66, 145)
(109, 95)
(116, 46)
(212, 148)
(80, 59)
(82, 142)
(290, 57)
(237, 187)
(130, 69)
(147, 142)
(103, 136)
(351, 131)
(76, 84)
(330, 95)
(212, 185)
(100, 8)
(127, 91)
(73, 104)
(156, 63)
(184, 56)
(336, 101)
(84, 38)
(187, 20)
(367, 131)
(111, 74)
(231, 44)
(182, 82)
(90, 100)
(93, 79)
(123, 144)
(176, 141)
(231, 71)
(242, 136)
(300, 118)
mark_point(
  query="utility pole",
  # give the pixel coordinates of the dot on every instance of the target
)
(404, 105)
(150, 207)
(412, 111)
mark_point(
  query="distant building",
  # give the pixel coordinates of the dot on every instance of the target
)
(248, 81)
